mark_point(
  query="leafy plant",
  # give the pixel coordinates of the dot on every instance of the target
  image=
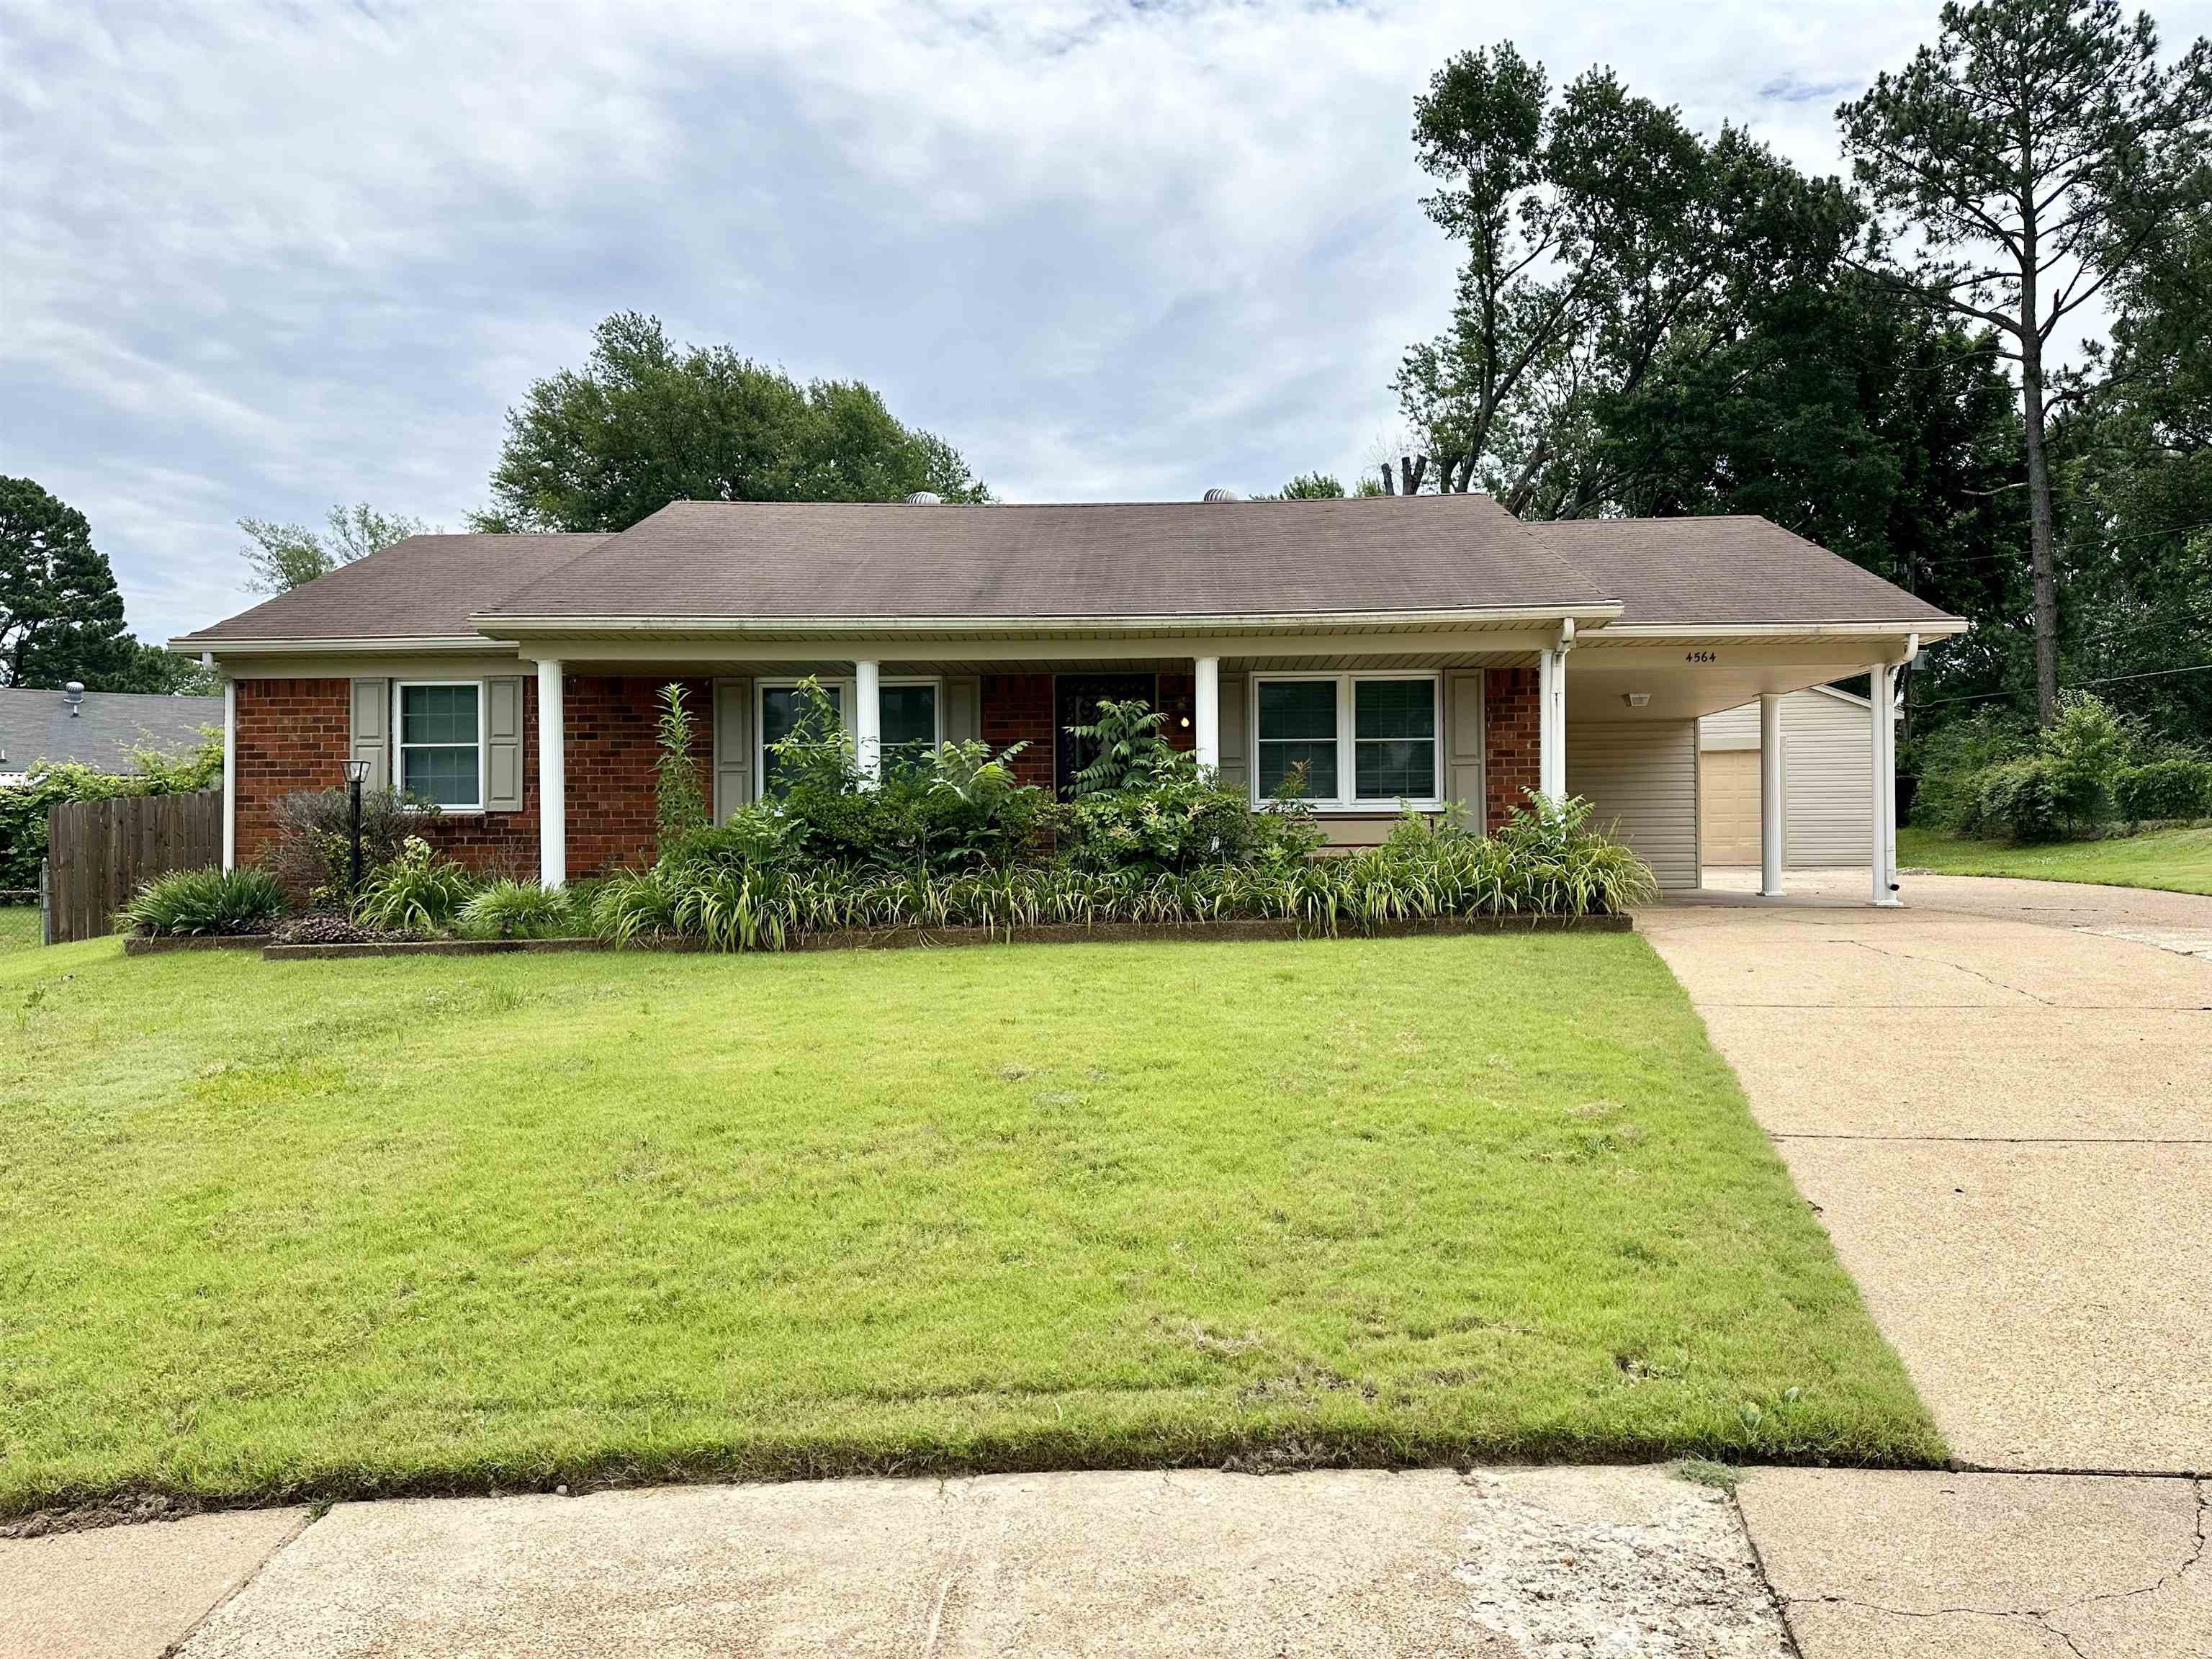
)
(1129, 750)
(519, 910)
(206, 902)
(679, 804)
(152, 772)
(417, 892)
(311, 851)
(2175, 787)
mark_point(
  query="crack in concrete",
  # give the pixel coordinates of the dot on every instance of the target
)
(1956, 967)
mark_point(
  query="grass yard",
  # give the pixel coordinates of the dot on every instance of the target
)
(2179, 860)
(19, 926)
(290, 1230)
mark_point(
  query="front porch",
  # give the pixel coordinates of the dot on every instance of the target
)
(1475, 725)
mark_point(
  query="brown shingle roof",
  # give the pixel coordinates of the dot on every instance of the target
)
(831, 561)
(1731, 568)
(424, 587)
(800, 561)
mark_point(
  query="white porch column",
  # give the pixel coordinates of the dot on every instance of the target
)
(1206, 717)
(868, 721)
(552, 778)
(1882, 738)
(1770, 794)
(230, 772)
(1552, 721)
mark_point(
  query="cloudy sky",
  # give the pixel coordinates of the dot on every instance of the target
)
(257, 258)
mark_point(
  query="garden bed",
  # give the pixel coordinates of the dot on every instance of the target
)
(903, 938)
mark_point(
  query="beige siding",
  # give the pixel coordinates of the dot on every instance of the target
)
(1642, 778)
(1825, 774)
(1828, 780)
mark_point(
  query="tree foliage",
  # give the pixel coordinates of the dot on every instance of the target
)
(2035, 151)
(281, 556)
(646, 423)
(1609, 246)
(61, 614)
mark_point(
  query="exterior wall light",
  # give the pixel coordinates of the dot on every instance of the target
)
(1635, 699)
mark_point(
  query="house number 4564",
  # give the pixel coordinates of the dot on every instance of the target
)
(1701, 656)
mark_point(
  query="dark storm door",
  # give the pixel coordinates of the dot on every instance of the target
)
(1075, 702)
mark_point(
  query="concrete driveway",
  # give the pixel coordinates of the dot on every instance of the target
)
(1999, 1100)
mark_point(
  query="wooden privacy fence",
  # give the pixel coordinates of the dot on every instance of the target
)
(99, 851)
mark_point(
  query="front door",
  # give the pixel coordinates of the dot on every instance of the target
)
(1075, 702)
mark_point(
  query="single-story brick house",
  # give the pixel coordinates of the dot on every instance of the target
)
(1410, 650)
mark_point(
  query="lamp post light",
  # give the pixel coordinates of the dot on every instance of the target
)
(356, 775)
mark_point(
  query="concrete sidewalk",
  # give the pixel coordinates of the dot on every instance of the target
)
(1497, 1565)
(1999, 1100)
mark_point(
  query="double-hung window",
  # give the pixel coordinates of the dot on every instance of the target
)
(1364, 740)
(909, 713)
(439, 730)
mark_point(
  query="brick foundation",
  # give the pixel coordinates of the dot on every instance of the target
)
(1510, 745)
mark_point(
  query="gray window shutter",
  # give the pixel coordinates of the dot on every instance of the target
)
(1464, 743)
(733, 746)
(372, 730)
(503, 744)
(963, 709)
(1235, 753)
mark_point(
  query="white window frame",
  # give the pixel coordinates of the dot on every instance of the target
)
(1347, 745)
(400, 746)
(847, 692)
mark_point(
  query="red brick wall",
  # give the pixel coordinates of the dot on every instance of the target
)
(294, 735)
(612, 745)
(1018, 708)
(1509, 741)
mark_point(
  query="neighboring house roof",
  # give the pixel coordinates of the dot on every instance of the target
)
(35, 725)
(424, 587)
(1371, 561)
(1721, 570)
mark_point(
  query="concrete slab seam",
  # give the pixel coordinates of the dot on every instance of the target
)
(245, 1579)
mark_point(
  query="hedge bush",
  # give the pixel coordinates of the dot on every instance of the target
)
(206, 902)
(2177, 788)
(152, 772)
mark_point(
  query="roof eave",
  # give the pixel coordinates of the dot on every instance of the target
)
(1927, 627)
(196, 644)
(495, 626)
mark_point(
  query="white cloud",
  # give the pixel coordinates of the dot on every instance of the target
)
(263, 257)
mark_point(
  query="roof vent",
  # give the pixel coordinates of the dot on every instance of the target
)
(73, 697)
(925, 498)
(1217, 494)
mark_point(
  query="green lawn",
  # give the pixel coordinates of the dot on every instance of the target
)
(2177, 859)
(283, 1230)
(19, 926)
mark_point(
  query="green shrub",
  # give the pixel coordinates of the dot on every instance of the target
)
(152, 772)
(1545, 861)
(2084, 747)
(2177, 788)
(1950, 762)
(417, 892)
(2021, 798)
(1129, 751)
(522, 909)
(206, 902)
(311, 851)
